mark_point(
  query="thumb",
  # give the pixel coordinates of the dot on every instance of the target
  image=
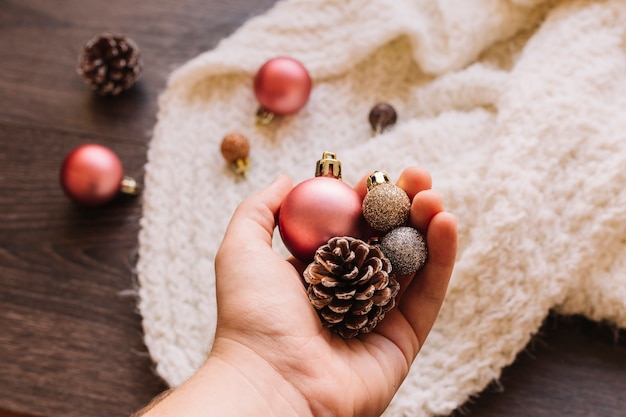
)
(253, 222)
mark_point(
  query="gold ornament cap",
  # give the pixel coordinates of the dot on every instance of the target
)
(377, 178)
(129, 186)
(328, 166)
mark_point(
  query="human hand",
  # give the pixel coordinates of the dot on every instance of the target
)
(272, 354)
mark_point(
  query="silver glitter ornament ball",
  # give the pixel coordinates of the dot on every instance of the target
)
(406, 249)
(386, 206)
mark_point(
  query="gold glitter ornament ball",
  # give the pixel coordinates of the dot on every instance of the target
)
(385, 205)
(406, 249)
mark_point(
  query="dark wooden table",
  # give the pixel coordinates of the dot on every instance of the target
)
(70, 336)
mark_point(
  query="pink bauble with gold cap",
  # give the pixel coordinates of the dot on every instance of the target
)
(319, 209)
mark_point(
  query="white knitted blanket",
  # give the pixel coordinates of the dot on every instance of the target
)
(518, 109)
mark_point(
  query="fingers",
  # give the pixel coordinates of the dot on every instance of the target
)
(421, 295)
(412, 180)
(426, 204)
(422, 300)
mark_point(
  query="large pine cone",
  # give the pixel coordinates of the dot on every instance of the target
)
(350, 285)
(110, 63)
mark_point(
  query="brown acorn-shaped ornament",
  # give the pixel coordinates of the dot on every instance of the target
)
(382, 116)
(350, 285)
(235, 149)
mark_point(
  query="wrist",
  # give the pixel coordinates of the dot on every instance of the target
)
(258, 387)
(234, 381)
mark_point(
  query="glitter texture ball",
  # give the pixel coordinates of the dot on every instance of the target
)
(405, 247)
(386, 206)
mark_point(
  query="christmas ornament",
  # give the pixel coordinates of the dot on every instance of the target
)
(235, 149)
(92, 175)
(385, 205)
(282, 86)
(350, 285)
(406, 249)
(318, 209)
(110, 63)
(382, 116)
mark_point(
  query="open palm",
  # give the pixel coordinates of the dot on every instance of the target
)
(265, 318)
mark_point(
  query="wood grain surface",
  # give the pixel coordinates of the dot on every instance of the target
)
(70, 336)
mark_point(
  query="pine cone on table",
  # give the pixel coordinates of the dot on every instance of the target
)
(110, 63)
(350, 285)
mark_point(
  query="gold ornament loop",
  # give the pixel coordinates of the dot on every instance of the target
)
(328, 166)
(377, 178)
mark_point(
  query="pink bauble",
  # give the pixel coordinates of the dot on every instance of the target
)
(91, 175)
(315, 211)
(282, 85)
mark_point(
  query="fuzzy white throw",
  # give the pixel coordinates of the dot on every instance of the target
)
(517, 108)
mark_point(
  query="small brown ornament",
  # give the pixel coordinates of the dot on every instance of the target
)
(385, 205)
(350, 285)
(110, 63)
(382, 116)
(235, 149)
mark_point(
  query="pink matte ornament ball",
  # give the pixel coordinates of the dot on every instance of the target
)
(91, 175)
(282, 86)
(315, 211)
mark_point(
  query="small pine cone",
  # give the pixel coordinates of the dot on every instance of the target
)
(110, 63)
(350, 285)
